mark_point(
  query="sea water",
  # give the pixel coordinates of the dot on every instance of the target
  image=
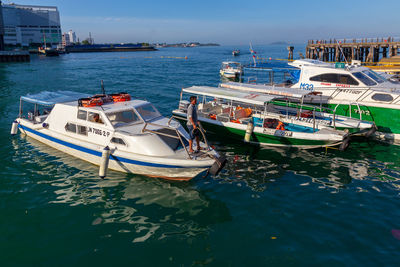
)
(268, 207)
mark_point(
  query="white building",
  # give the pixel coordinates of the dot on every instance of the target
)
(72, 36)
(31, 25)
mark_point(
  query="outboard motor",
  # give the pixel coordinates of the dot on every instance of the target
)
(218, 165)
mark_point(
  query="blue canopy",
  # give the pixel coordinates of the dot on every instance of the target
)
(47, 98)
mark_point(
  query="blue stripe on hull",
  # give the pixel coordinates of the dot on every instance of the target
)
(96, 153)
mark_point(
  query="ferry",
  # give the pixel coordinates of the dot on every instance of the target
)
(350, 90)
(115, 132)
(230, 69)
(249, 116)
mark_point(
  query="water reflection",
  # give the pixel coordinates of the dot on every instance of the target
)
(141, 206)
(257, 167)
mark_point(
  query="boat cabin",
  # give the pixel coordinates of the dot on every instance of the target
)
(123, 125)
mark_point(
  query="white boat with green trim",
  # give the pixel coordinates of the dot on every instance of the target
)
(350, 90)
(252, 117)
(115, 132)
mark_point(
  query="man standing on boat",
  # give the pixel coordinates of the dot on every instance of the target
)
(192, 123)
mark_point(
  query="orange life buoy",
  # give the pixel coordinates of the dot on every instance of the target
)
(212, 116)
(235, 121)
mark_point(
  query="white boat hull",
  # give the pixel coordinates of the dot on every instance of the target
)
(173, 169)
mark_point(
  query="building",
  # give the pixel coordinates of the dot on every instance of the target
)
(72, 37)
(65, 40)
(26, 25)
(1, 29)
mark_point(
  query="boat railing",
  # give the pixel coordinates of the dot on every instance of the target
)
(202, 131)
(178, 135)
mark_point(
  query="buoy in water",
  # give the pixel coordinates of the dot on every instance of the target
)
(249, 131)
(105, 158)
(14, 128)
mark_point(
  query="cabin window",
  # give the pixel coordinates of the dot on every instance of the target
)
(117, 140)
(362, 77)
(95, 117)
(148, 112)
(70, 127)
(334, 78)
(373, 75)
(122, 118)
(82, 130)
(382, 97)
(82, 114)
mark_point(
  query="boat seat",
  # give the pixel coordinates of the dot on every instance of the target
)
(223, 117)
(40, 119)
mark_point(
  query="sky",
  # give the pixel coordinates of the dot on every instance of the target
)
(233, 22)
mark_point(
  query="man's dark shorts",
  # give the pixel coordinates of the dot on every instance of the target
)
(192, 132)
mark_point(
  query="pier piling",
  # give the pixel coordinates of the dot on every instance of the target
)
(365, 49)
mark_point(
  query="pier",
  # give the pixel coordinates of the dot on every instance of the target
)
(14, 56)
(341, 50)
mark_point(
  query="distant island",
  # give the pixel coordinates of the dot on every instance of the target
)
(279, 43)
(191, 44)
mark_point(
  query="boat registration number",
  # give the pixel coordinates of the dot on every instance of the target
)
(277, 132)
(98, 132)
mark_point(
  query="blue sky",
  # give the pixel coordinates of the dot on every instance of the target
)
(233, 22)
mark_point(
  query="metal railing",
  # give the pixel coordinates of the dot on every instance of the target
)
(178, 134)
(202, 131)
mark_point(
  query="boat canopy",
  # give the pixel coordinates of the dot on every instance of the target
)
(235, 95)
(47, 98)
(267, 89)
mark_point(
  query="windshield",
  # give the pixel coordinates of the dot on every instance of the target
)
(123, 118)
(373, 75)
(148, 112)
(364, 78)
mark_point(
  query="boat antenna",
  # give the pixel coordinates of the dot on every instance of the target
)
(102, 87)
(341, 51)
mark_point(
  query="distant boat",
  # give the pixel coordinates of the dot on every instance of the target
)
(236, 52)
(230, 69)
(48, 52)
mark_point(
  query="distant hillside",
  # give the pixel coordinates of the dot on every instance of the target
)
(279, 43)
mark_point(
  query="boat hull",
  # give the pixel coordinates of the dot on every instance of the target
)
(259, 138)
(138, 165)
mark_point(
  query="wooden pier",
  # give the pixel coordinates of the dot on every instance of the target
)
(365, 50)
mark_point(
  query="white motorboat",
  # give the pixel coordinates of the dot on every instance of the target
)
(230, 69)
(125, 134)
(350, 90)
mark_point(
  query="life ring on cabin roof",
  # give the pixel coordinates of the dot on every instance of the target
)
(121, 97)
(90, 102)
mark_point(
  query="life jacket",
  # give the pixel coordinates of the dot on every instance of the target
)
(212, 116)
(280, 126)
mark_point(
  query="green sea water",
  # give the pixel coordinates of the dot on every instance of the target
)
(269, 207)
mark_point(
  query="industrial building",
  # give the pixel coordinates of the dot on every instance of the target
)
(27, 25)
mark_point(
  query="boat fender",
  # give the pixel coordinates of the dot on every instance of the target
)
(105, 158)
(14, 128)
(249, 131)
(218, 165)
(345, 144)
(370, 132)
(45, 125)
